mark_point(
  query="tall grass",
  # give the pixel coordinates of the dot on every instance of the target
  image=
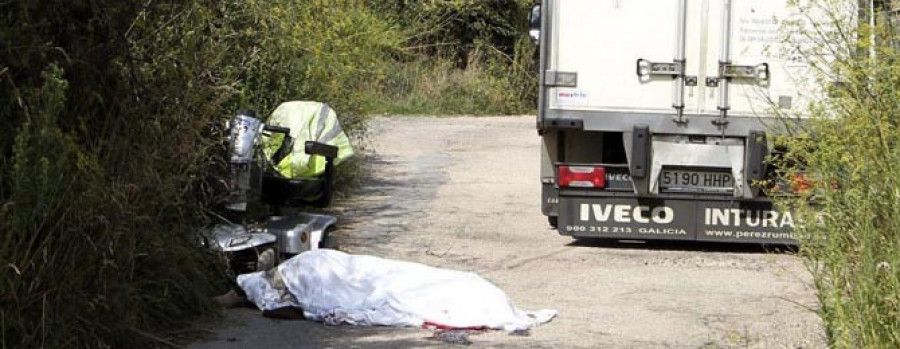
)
(109, 151)
(851, 150)
(490, 83)
(337, 51)
(463, 57)
(110, 157)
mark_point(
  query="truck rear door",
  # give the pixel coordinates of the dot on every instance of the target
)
(605, 43)
(601, 41)
(746, 41)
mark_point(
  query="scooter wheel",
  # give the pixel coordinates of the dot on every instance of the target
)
(328, 241)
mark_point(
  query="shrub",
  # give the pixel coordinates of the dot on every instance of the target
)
(492, 83)
(467, 57)
(849, 148)
(458, 28)
(110, 157)
(108, 150)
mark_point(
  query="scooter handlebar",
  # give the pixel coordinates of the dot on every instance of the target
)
(277, 129)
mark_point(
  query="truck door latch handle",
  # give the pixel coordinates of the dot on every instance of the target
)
(759, 73)
(646, 69)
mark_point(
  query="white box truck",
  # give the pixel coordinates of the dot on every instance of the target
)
(654, 116)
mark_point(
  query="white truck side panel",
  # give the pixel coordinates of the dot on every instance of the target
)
(601, 41)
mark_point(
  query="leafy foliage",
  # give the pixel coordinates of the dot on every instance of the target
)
(109, 148)
(459, 27)
(110, 154)
(465, 57)
(492, 83)
(849, 148)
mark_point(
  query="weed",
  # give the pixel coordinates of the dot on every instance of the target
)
(849, 149)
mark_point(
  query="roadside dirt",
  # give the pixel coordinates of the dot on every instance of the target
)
(463, 193)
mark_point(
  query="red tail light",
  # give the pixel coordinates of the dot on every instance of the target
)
(800, 184)
(582, 176)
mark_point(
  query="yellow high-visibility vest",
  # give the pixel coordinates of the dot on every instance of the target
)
(308, 121)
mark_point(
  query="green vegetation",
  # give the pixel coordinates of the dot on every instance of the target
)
(850, 153)
(463, 57)
(492, 83)
(110, 157)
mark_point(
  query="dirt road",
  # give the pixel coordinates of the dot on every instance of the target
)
(463, 193)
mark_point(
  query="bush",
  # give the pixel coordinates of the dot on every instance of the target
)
(457, 28)
(109, 153)
(326, 50)
(849, 149)
(110, 157)
(491, 83)
(466, 57)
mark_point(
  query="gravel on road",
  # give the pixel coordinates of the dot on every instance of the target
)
(464, 193)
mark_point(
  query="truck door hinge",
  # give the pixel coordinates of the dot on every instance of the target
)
(646, 70)
(690, 81)
(731, 73)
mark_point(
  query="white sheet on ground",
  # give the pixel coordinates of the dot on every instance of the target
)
(336, 287)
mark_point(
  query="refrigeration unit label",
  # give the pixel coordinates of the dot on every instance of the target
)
(759, 29)
(571, 97)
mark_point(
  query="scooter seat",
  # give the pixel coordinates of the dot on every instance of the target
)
(280, 191)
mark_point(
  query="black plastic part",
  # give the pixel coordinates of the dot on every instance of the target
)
(560, 147)
(318, 148)
(757, 150)
(286, 146)
(279, 191)
(573, 124)
(640, 151)
(277, 129)
(327, 185)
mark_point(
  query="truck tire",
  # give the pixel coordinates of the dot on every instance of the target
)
(554, 221)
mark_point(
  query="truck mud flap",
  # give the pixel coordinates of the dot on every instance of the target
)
(549, 200)
(666, 219)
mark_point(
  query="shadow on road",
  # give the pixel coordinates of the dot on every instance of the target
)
(247, 328)
(674, 245)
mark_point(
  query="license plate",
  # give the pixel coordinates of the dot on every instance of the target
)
(696, 181)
